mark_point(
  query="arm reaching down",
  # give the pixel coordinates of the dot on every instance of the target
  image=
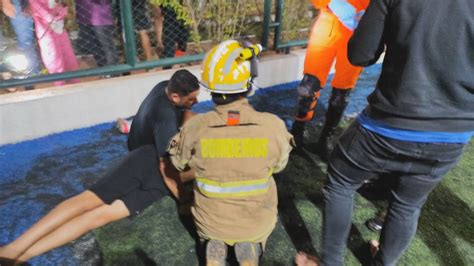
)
(174, 179)
(367, 44)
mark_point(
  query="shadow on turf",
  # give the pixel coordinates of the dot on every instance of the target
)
(436, 233)
(288, 189)
(440, 221)
(144, 258)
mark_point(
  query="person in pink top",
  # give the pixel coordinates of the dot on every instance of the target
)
(54, 43)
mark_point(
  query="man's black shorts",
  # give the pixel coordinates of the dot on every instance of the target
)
(136, 181)
(140, 15)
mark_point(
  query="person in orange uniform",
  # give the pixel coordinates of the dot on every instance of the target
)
(328, 42)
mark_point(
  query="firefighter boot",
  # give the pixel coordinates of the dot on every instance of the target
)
(216, 253)
(337, 105)
(247, 253)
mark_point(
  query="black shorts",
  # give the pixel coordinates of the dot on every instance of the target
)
(140, 15)
(136, 181)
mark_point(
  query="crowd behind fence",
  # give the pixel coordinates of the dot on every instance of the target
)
(63, 40)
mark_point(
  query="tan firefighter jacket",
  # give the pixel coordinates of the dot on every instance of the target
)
(234, 150)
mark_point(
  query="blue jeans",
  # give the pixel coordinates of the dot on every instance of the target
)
(360, 155)
(24, 30)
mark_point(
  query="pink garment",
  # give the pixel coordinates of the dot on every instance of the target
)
(54, 43)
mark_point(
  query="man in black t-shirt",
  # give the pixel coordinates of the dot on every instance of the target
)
(161, 113)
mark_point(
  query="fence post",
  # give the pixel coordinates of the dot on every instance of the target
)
(278, 19)
(267, 14)
(129, 32)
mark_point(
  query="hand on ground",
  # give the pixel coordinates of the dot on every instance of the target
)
(304, 259)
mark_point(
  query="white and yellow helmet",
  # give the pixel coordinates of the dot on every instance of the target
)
(226, 68)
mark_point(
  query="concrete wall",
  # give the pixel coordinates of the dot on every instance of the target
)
(32, 114)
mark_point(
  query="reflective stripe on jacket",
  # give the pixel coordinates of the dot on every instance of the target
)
(233, 189)
(348, 12)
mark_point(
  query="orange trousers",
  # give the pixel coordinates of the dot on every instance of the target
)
(328, 42)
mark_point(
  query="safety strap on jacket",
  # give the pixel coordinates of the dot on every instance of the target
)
(216, 189)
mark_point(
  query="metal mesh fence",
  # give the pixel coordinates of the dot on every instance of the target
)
(62, 36)
(194, 26)
(98, 41)
(18, 36)
(297, 17)
(59, 36)
(217, 20)
(160, 32)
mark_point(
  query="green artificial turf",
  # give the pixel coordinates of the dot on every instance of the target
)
(445, 234)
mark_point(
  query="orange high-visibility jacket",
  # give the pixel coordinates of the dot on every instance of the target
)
(329, 38)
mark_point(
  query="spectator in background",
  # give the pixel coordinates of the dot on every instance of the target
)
(158, 25)
(96, 30)
(55, 45)
(22, 25)
(175, 35)
(142, 25)
(3, 42)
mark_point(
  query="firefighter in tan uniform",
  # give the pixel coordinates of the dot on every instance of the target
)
(234, 150)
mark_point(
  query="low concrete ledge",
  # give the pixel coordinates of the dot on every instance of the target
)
(33, 114)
